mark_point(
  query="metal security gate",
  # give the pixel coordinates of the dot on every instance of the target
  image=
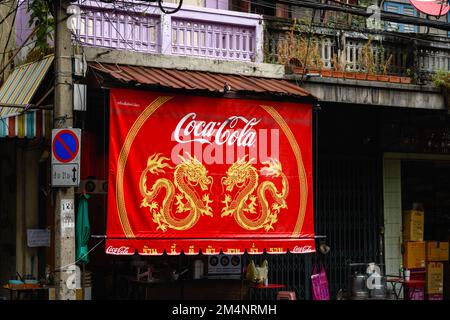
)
(349, 213)
(291, 270)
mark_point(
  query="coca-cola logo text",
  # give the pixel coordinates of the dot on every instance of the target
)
(224, 142)
(304, 249)
(203, 131)
(120, 250)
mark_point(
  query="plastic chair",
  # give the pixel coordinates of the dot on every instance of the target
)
(286, 295)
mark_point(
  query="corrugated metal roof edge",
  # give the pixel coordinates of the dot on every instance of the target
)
(306, 95)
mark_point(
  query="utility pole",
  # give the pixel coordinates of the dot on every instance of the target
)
(63, 118)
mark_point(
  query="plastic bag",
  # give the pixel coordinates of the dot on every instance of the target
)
(257, 274)
(319, 283)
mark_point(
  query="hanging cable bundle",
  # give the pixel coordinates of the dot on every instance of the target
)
(164, 10)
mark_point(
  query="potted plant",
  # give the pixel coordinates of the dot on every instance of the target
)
(368, 61)
(408, 79)
(394, 79)
(297, 53)
(294, 66)
(405, 80)
(349, 75)
(326, 72)
(298, 70)
(314, 70)
(361, 76)
(441, 80)
(384, 77)
(337, 67)
(338, 74)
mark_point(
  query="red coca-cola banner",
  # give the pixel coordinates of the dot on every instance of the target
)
(190, 173)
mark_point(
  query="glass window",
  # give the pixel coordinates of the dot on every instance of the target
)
(404, 9)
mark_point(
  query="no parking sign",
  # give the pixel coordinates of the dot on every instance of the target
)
(66, 145)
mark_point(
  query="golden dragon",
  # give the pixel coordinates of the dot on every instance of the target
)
(187, 177)
(244, 176)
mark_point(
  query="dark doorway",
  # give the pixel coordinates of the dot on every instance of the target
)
(428, 183)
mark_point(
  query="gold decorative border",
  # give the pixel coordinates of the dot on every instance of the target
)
(155, 105)
(300, 167)
(122, 161)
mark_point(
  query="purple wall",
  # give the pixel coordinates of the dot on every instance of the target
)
(22, 28)
(217, 4)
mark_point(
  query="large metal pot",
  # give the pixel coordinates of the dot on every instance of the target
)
(359, 286)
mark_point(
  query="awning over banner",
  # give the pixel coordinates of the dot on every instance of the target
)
(16, 95)
(190, 173)
(20, 87)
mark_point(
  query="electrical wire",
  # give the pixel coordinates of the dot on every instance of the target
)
(385, 15)
(79, 259)
(180, 3)
(12, 50)
(160, 5)
(305, 64)
(345, 27)
(355, 10)
(337, 25)
(4, 20)
(9, 34)
(273, 6)
(11, 12)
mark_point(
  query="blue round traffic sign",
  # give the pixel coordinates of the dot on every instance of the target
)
(65, 146)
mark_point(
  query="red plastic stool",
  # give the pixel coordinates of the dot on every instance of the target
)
(286, 295)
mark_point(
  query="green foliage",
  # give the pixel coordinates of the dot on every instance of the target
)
(365, 3)
(297, 48)
(43, 21)
(441, 79)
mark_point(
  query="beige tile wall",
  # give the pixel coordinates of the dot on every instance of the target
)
(392, 215)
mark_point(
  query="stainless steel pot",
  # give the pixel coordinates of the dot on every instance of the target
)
(359, 285)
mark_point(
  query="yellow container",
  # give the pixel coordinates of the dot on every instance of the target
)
(413, 225)
(437, 251)
(435, 278)
(414, 255)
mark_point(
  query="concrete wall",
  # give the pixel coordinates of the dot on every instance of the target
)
(374, 93)
(185, 63)
(5, 28)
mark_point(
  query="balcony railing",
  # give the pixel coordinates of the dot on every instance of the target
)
(192, 31)
(121, 30)
(398, 56)
(214, 40)
(431, 59)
